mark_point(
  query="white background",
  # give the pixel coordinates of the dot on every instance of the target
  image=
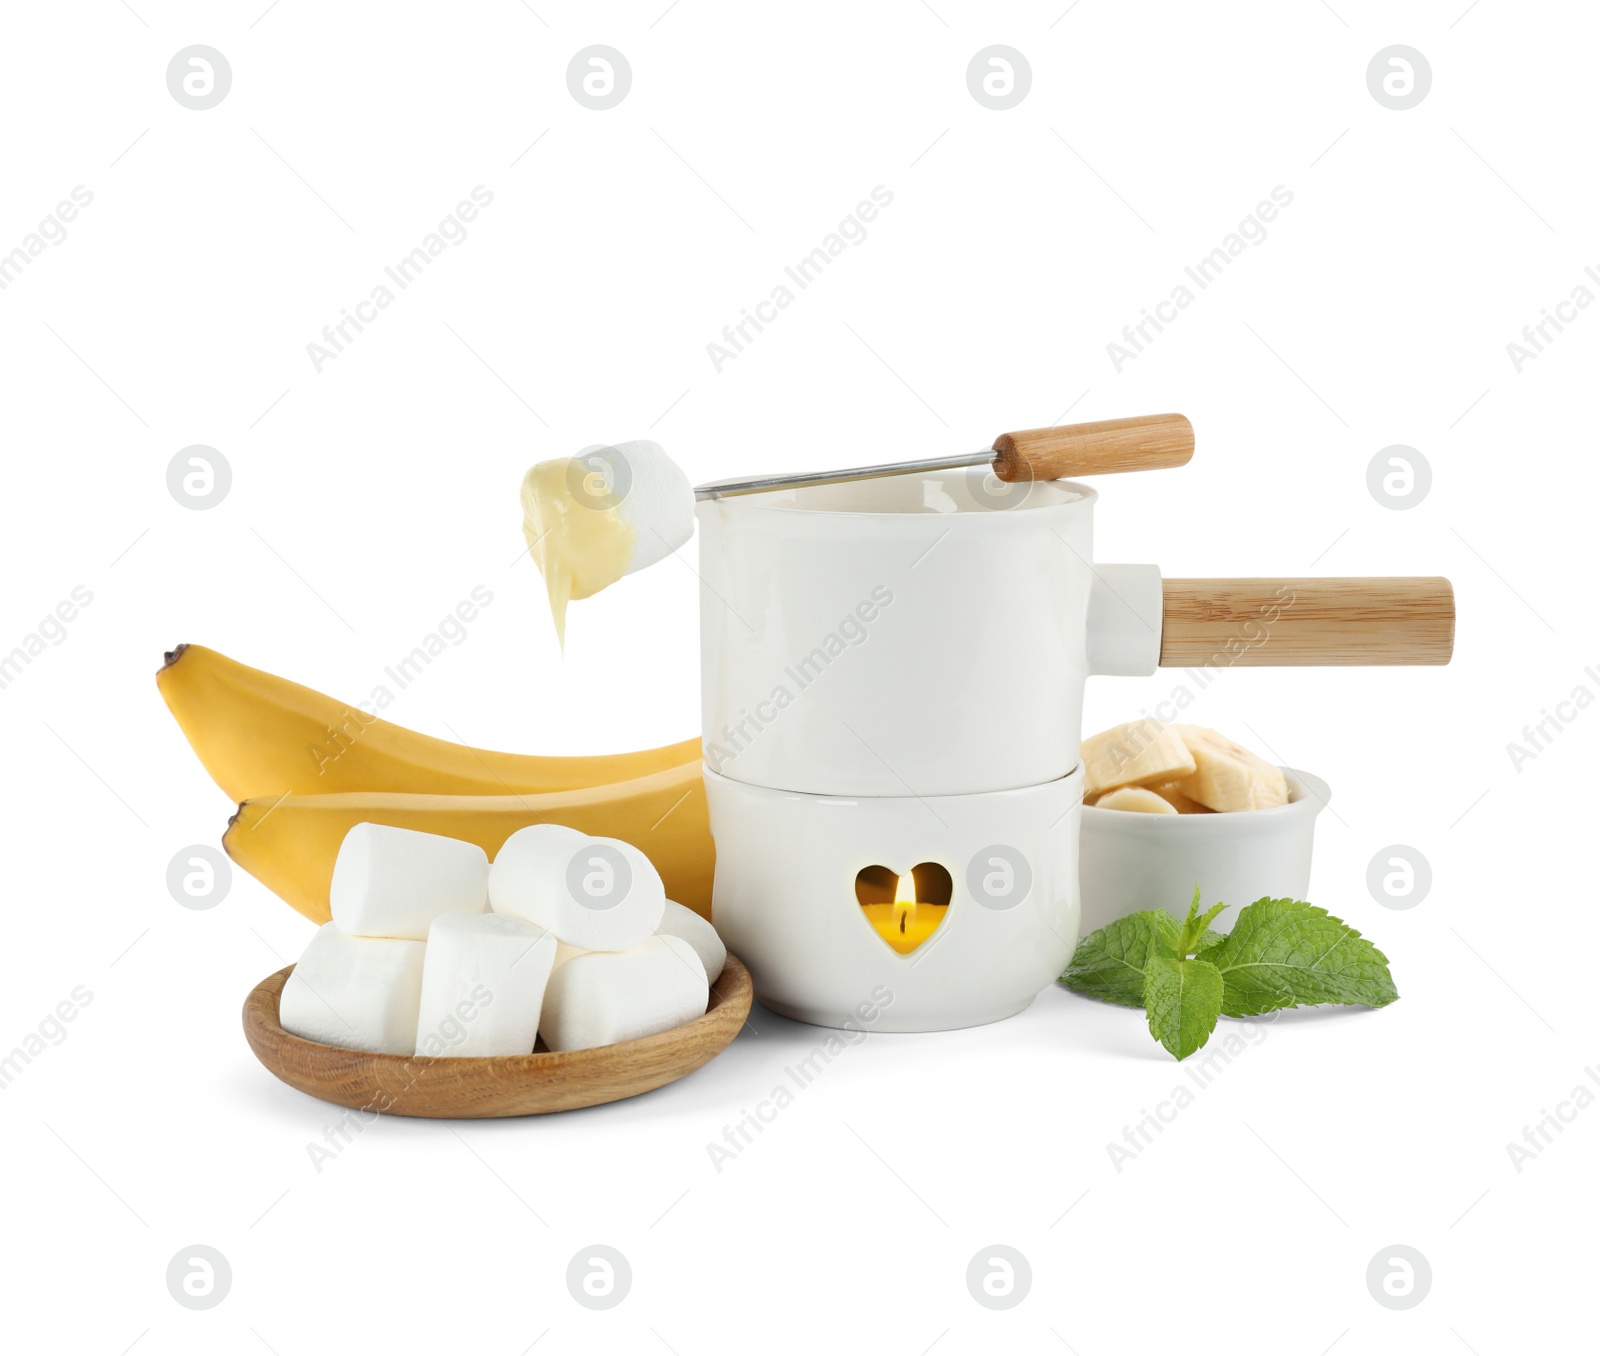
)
(369, 499)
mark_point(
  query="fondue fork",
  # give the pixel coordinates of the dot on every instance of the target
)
(1149, 442)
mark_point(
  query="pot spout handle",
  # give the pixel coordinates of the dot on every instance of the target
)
(1125, 605)
(1391, 620)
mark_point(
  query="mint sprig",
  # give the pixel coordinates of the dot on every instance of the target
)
(1282, 953)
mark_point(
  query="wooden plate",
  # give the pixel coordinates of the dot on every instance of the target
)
(511, 1085)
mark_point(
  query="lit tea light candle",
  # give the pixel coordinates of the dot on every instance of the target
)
(905, 924)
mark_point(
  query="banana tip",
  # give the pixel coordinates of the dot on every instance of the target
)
(172, 656)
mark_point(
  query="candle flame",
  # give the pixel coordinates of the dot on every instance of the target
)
(905, 900)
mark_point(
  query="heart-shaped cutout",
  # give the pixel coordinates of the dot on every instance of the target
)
(905, 910)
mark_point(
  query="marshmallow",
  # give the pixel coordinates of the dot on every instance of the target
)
(361, 993)
(483, 985)
(658, 504)
(598, 894)
(390, 882)
(688, 926)
(609, 996)
(591, 519)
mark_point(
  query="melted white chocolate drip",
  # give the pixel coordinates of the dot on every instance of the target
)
(579, 547)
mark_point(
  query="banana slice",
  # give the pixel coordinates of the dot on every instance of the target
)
(1168, 791)
(1136, 798)
(1228, 776)
(1138, 753)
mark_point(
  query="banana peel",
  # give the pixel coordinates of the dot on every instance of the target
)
(289, 842)
(261, 735)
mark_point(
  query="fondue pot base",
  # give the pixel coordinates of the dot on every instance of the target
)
(794, 870)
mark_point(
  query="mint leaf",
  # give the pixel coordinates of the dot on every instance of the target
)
(1165, 927)
(1283, 953)
(1182, 1000)
(1191, 936)
(1109, 964)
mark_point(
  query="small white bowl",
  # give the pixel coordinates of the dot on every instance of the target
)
(1129, 861)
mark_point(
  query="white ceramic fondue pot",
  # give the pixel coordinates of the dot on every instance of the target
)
(869, 639)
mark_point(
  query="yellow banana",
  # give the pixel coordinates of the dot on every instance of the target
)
(261, 735)
(289, 843)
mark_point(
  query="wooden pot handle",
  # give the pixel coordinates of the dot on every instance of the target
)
(1276, 622)
(1150, 442)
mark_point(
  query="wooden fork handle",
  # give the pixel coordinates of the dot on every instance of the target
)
(1149, 442)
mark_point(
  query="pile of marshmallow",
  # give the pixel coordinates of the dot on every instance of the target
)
(433, 951)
